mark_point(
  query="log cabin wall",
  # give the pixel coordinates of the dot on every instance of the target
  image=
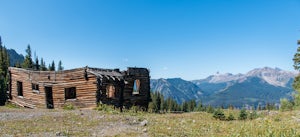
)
(58, 81)
(91, 85)
(142, 97)
(110, 86)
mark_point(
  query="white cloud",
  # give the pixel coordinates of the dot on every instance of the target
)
(165, 68)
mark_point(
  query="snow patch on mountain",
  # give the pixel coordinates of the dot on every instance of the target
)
(273, 76)
(276, 77)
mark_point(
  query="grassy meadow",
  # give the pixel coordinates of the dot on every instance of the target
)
(86, 122)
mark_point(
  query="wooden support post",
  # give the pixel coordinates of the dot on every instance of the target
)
(98, 92)
(121, 97)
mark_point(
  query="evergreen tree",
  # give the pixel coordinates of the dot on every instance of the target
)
(164, 105)
(286, 105)
(36, 64)
(4, 62)
(18, 64)
(259, 107)
(28, 63)
(210, 109)
(52, 66)
(219, 114)
(296, 84)
(243, 114)
(158, 103)
(296, 58)
(231, 107)
(253, 115)
(192, 105)
(185, 107)
(43, 65)
(155, 105)
(170, 105)
(270, 106)
(230, 117)
(60, 67)
(200, 107)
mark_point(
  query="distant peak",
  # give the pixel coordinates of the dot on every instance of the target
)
(265, 69)
(174, 79)
(278, 69)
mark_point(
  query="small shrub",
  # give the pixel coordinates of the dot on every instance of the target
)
(210, 109)
(106, 108)
(136, 109)
(277, 119)
(68, 106)
(11, 105)
(243, 114)
(102, 107)
(230, 117)
(253, 115)
(219, 114)
(286, 105)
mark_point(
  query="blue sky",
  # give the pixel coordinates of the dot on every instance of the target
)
(173, 38)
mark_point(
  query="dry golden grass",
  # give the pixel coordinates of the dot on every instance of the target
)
(202, 124)
(43, 122)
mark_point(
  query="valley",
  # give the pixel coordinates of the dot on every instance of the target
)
(258, 87)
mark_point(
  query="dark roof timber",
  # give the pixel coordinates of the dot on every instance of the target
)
(99, 72)
(108, 73)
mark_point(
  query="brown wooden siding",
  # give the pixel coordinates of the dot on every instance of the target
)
(88, 89)
(85, 90)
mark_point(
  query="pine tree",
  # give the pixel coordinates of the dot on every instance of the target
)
(2, 91)
(192, 105)
(253, 115)
(243, 114)
(286, 105)
(60, 67)
(28, 63)
(185, 107)
(52, 66)
(4, 64)
(18, 64)
(36, 64)
(43, 65)
(219, 114)
(158, 103)
(164, 105)
(296, 84)
(169, 104)
(230, 117)
(200, 107)
(210, 109)
(155, 105)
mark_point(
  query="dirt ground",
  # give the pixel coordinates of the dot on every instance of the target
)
(59, 122)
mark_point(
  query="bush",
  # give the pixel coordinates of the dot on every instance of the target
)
(135, 109)
(106, 108)
(102, 107)
(286, 105)
(230, 117)
(219, 114)
(68, 106)
(243, 114)
(11, 105)
(210, 109)
(253, 115)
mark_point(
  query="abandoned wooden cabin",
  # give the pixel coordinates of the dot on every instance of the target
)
(82, 87)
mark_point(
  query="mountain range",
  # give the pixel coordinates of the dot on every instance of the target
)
(14, 57)
(258, 86)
